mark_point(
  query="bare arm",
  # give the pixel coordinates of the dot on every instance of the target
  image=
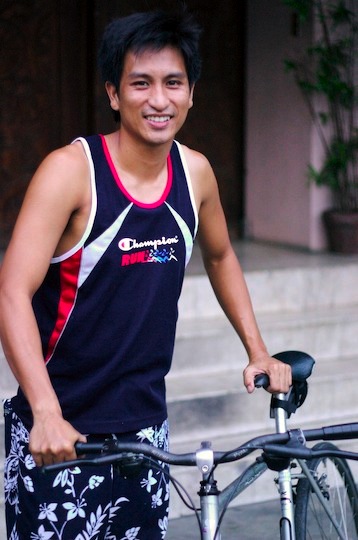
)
(47, 223)
(226, 277)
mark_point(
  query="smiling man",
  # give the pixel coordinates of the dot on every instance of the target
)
(89, 290)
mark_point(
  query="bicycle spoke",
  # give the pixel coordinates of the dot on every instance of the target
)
(336, 484)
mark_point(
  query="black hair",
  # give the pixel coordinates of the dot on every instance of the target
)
(149, 30)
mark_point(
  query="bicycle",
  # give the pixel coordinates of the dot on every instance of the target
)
(320, 500)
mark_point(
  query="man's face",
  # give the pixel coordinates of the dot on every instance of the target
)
(154, 95)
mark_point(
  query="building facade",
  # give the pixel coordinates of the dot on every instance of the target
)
(248, 116)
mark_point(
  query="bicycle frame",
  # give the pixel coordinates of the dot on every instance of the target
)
(213, 502)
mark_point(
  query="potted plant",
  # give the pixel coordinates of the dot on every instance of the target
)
(327, 74)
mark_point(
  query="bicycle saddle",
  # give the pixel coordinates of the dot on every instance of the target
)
(301, 363)
(301, 366)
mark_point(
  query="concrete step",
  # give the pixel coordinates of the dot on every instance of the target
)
(8, 383)
(210, 344)
(299, 289)
(215, 405)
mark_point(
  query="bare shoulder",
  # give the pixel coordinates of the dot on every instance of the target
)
(197, 162)
(56, 205)
(63, 173)
(212, 234)
(201, 173)
(67, 162)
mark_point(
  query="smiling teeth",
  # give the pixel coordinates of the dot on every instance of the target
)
(158, 118)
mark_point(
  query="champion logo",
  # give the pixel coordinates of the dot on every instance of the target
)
(127, 244)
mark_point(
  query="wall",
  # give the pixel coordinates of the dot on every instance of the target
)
(280, 205)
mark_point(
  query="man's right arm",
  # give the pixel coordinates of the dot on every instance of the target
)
(58, 191)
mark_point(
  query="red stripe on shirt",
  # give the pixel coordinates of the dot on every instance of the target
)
(163, 196)
(69, 272)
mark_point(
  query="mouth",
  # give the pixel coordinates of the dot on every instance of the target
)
(158, 119)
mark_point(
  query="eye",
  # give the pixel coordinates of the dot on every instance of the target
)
(140, 84)
(174, 82)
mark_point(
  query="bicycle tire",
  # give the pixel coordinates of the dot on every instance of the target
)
(338, 486)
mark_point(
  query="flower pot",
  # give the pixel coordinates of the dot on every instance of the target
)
(342, 231)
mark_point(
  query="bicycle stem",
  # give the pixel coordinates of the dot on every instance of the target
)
(209, 494)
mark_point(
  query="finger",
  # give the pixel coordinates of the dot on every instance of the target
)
(49, 459)
(248, 381)
(250, 387)
(279, 382)
(38, 460)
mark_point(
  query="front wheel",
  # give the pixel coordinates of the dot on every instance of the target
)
(336, 483)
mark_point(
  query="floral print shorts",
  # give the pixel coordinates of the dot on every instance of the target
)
(85, 502)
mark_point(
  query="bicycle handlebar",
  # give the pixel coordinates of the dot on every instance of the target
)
(276, 444)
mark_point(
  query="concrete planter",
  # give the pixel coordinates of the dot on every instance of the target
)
(342, 231)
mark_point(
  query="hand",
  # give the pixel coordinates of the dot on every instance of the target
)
(52, 440)
(278, 372)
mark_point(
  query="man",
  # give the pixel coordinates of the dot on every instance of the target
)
(89, 290)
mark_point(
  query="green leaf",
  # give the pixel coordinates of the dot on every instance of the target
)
(324, 118)
(301, 7)
(290, 65)
(340, 14)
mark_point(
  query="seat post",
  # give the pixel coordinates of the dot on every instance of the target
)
(280, 415)
(287, 527)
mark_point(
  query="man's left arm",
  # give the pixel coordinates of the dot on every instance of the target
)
(229, 285)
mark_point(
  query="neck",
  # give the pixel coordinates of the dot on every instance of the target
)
(143, 160)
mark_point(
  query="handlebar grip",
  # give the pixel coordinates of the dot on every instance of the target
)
(340, 432)
(262, 380)
(80, 448)
(88, 448)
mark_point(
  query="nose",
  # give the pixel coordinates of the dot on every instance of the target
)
(158, 98)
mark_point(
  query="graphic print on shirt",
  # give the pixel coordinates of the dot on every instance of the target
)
(160, 250)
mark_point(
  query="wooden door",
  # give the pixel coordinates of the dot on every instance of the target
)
(51, 91)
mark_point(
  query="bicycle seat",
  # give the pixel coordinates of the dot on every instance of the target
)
(301, 364)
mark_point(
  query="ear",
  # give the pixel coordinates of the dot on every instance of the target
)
(191, 97)
(113, 95)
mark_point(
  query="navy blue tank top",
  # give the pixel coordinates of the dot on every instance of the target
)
(107, 309)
